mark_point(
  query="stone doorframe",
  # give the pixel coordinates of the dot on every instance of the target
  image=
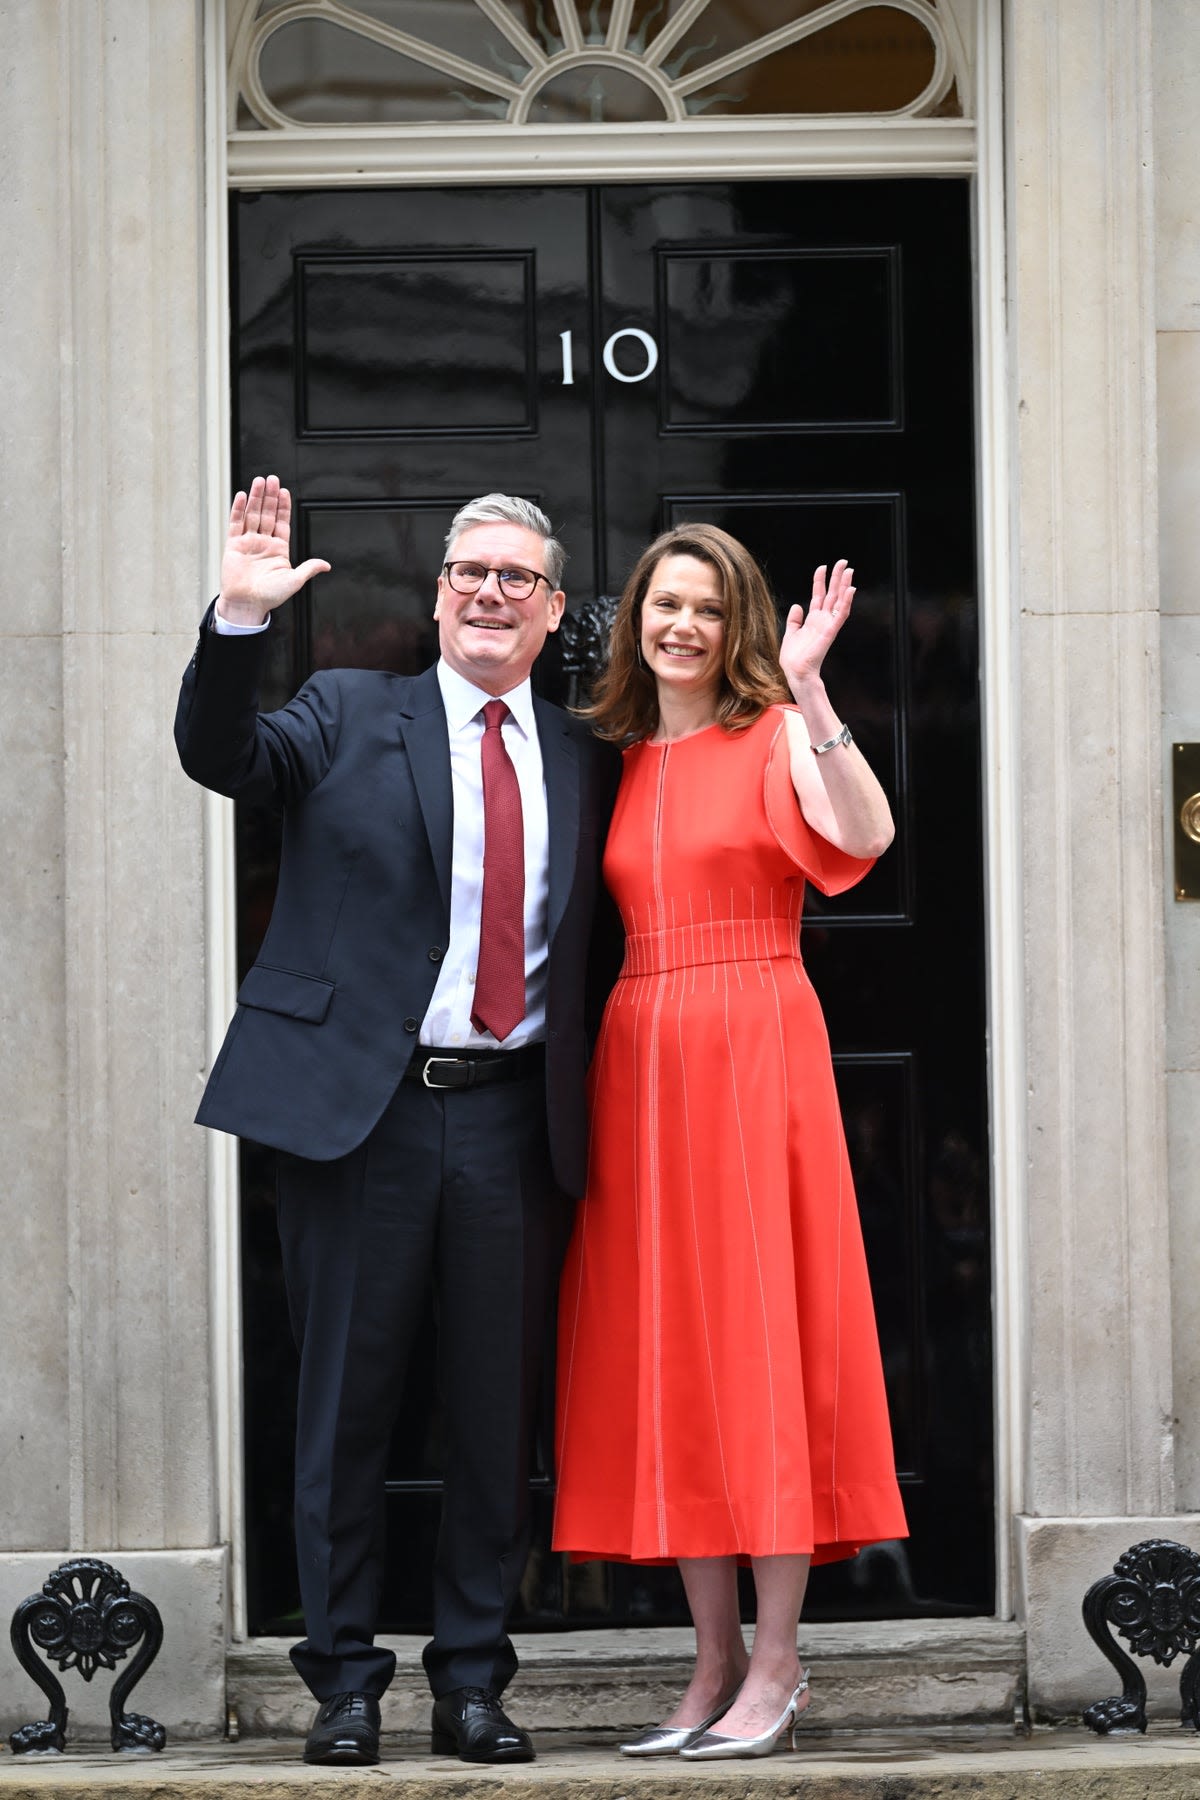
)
(1095, 1308)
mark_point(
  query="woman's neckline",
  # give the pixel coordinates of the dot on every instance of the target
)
(684, 736)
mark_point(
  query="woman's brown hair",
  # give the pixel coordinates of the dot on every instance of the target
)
(624, 702)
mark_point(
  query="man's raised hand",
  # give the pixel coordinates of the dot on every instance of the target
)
(256, 570)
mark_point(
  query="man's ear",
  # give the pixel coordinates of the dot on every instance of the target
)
(558, 601)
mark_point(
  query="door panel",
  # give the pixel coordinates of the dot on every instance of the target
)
(788, 374)
(474, 316)
(792, 362)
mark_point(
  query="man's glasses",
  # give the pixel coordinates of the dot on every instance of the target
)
(515, 582)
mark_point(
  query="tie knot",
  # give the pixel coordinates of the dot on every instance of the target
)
(494, 714)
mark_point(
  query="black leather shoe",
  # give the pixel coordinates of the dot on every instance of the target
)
(345, 1730)
(470, 1723)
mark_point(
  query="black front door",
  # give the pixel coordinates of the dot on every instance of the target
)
(790, 361)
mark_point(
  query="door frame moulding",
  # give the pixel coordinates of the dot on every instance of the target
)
(1001, 781)
(762, 149)
(220, 859)
(488, 156)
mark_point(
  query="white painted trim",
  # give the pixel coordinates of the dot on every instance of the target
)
(595, 57)
(220, 907)
(362, 25)
(510, 27)
(568, 24)
(945, 70)
(1001, 804)
(618, 25)
(225, 1258)
(483, 155)
(670, 34)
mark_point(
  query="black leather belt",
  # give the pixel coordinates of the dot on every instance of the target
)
(473, 1068)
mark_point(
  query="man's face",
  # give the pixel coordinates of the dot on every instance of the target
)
(487, 637)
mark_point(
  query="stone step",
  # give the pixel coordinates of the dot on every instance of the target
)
(894, 1673)
(1062, 1764)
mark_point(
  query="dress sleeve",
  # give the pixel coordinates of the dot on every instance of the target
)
(828, 868)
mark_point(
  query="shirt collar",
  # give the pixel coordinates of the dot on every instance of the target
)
(463, 701)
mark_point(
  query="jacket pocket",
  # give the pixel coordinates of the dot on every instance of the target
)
(285, 991)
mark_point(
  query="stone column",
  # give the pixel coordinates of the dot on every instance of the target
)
(106, 1323)
(1099, 1462)
(1177, 213)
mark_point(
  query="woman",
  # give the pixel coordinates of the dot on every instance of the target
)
(720, 1388)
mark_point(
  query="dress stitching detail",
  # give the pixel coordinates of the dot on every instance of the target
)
(837, 1315)
(660, 1498)
(687, 1138)
(761, 1292)
(583, 1227)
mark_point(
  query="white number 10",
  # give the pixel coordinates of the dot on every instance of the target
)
(610, 363)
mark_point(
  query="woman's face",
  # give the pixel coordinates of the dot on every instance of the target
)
(683, 626)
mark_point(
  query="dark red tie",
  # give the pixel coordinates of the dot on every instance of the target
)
(499, 1004)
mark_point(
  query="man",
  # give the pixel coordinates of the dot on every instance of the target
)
(412, 1040)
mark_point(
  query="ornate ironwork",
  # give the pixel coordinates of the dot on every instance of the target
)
(585, 636)
(87, 1618)
(1152, 1598)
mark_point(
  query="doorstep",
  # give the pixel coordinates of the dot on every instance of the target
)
(1065, 1763)
(892, 1673)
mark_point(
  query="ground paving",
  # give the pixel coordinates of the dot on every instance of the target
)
(1066, 1763)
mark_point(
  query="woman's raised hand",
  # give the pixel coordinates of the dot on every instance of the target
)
(807, 637)
(256, 569)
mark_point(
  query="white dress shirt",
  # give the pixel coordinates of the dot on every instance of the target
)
(447, 1024)
(448, 1020)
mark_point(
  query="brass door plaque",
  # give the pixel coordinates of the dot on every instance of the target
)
(1186, 771)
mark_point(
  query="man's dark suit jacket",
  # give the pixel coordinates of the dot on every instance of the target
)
(327, 1018)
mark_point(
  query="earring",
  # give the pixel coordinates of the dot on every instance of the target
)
(641, 659)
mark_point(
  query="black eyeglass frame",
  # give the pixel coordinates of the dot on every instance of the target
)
(499, 570)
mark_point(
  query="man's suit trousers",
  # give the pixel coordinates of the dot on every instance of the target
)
(453, 1187)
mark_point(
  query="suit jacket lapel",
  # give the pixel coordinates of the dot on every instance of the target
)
(560, 765)
(423, 728)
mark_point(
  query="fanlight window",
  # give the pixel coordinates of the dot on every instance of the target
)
(376, 62)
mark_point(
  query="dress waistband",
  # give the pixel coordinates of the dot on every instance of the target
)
(713, 941)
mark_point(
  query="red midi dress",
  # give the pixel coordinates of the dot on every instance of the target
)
(720, 1390)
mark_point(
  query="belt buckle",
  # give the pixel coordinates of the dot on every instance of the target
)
(441, 1087)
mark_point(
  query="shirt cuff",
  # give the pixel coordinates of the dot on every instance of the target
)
(226, 627)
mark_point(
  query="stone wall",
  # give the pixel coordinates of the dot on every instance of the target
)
(1177, 313)
(34, 1424)
(1100, 1465)
(107, 1346)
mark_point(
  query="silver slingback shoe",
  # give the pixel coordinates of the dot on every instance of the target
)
(669, 1740)
(712, 1745)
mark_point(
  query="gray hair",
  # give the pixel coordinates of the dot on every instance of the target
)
(509, 509)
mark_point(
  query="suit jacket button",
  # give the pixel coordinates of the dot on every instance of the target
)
(435, 955)
(410, 1024)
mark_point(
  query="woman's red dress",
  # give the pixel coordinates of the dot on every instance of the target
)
(719, 1382)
